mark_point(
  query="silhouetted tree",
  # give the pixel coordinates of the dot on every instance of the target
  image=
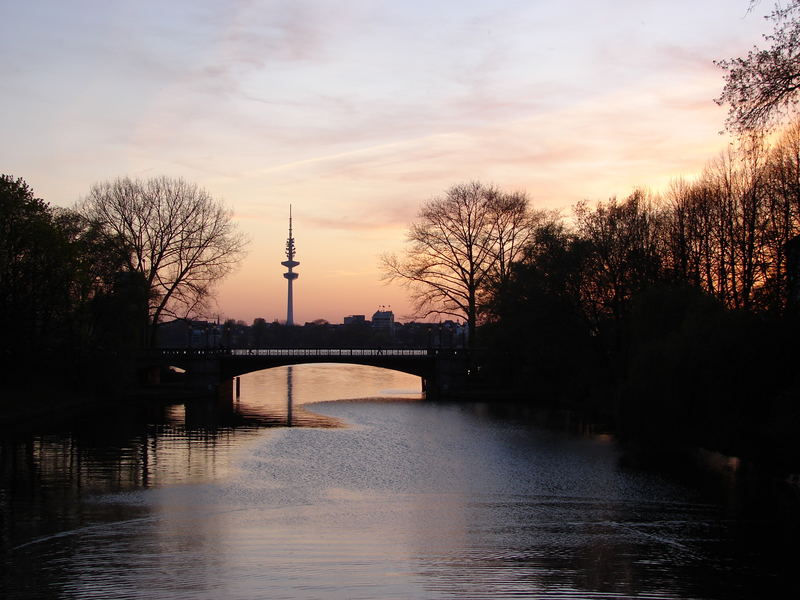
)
(34, 271)
(539, 333)
(624, 251)
(112, 328)
(173, 233)
(461, 244)
(689, 254)
(64, 300)
(728, 231)
(763, 86)
(782, 219)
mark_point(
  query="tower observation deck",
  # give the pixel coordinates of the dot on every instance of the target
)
(290, 276)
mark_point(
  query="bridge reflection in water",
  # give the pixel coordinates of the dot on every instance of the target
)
(292, 395)
(289, 390)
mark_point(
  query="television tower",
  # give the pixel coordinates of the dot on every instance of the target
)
(290, 276)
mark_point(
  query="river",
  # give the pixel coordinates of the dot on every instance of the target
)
(379, 495)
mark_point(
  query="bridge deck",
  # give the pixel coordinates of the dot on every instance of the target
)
(301, 352)
(331, 352)
(209, 366)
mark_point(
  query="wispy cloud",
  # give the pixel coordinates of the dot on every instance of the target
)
(358, 111)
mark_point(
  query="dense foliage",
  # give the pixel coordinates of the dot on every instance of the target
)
(69, 312)
(673, 316)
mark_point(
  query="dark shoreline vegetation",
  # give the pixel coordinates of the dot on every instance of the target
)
(671, 318)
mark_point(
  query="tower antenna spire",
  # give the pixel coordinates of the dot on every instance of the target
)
(290, 263)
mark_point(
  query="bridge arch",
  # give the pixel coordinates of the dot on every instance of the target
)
(436, 367)
(241, 367)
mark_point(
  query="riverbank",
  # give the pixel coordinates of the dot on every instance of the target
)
(41, 405)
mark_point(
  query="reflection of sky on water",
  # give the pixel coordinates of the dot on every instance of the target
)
(407, 500)
(276, 396)
(323, 382)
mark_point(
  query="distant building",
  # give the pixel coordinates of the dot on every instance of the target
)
(183, 333)
(384, 321)
(452, 334)
(355, 320)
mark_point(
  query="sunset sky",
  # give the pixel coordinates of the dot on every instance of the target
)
(356, 111)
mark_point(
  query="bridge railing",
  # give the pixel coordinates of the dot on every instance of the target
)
(300, 352)
(337, 352)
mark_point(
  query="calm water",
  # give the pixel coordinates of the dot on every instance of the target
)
(359, 499)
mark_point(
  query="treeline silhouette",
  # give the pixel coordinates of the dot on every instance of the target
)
(672, 316)
(72, 317)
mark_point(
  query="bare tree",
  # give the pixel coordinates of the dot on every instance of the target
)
(461, 244)
(783, 215)
(690, 252)
(624, 251)
(174, 234)
(764, 85)
(512, 232)
(728, 231)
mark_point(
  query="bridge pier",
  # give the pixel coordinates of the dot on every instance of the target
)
(205, 377)
(225, 390)
(448, 374)
(152, 375)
